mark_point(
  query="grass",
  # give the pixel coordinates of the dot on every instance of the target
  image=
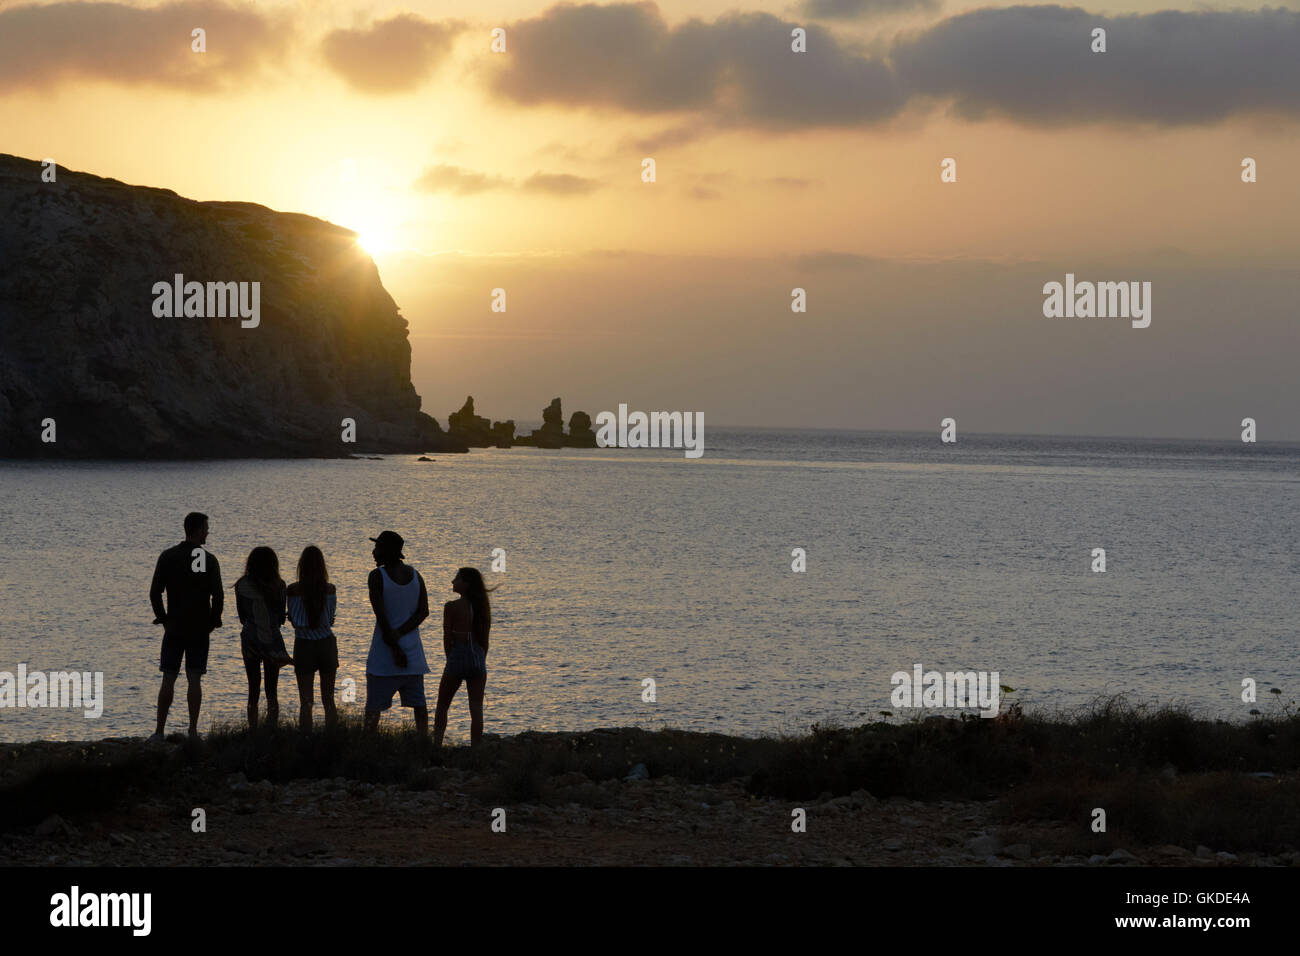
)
(1162, 774)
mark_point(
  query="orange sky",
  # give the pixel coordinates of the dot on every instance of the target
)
(537, 175)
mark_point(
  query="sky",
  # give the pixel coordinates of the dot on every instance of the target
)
(466, 170)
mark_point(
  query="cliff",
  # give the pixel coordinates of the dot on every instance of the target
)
(90, 339)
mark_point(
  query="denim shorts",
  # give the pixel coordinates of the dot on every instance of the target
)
(380, 691)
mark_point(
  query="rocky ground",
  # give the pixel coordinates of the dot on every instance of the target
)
(341, 822)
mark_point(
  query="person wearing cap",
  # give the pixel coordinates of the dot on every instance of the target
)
(396, 664)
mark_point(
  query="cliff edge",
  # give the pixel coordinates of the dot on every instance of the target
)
(146, 325)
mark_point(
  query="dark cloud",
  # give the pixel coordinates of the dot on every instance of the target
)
(1035, 65)
(1032, 63)
(466, 182)
(862, 9)
(739, 67)
(390, 56)
(44, 45)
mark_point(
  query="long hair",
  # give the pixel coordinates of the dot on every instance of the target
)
(263, 569)
(313, 579)
(476, 592)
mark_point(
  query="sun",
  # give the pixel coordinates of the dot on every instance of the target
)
(376, 238)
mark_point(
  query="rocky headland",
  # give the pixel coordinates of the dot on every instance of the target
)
(279, 329)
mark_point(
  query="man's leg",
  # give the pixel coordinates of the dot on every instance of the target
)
(195, 697)
(165, 694)
(375, 701)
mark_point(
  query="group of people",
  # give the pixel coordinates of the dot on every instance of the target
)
(190, 577)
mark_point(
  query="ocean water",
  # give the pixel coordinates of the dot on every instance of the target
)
(623, 565)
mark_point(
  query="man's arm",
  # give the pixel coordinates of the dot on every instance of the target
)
(421, 611)
(156, 591)
(214, 591)
(376, 587)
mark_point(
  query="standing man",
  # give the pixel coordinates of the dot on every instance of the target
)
(395, 664)
(192, 579)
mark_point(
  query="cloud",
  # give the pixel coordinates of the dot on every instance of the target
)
(704, 193)
(466, 182)
(390, 56)
(458, 180)
(1035, 65)
(832, 261)
(558, 184)
(1032, 64)
(862, 9)
(678, 135)
(41, 46)
(739, 67)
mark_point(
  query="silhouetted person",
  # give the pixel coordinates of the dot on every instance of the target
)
(191, 578)
(395, 664)
(260, 600)
(312, 603)
(466, 623)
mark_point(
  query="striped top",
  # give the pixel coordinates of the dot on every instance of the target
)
(298, 616)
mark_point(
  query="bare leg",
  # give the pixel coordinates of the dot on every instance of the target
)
(272, 693)
(421, 721)
(195, 698)
(165, 693)
(253, 670)
(447, 688)
(327, 699)
(475, 687)
(306, 687)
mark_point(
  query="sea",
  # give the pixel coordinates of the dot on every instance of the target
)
(782, 580)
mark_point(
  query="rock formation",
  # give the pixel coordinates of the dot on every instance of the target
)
(551, 434)
(84, 341)
(503, 433)
(474, 430)
(581, 434)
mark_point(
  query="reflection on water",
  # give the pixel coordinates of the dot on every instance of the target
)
(622, 565)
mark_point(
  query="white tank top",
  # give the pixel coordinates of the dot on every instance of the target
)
(400, 602)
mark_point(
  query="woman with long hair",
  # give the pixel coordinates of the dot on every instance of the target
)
(466, 623)
(260, 600)
(312, 603)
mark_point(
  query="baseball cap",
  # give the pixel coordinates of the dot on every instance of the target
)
(389, 541)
